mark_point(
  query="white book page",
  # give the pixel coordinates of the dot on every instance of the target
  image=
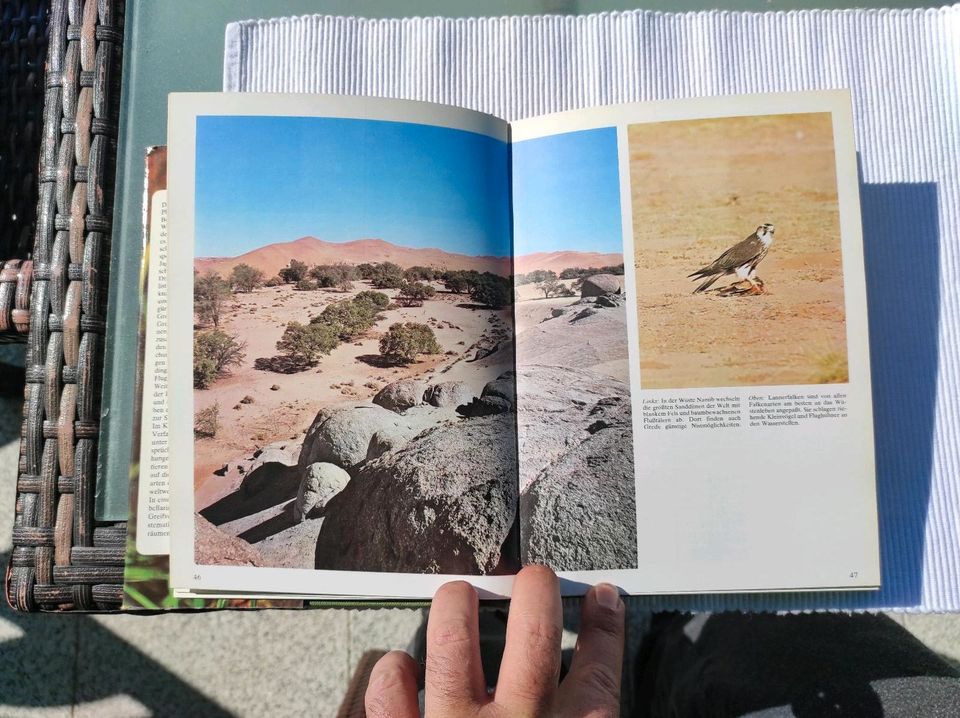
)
(153, 504)
(334, 182)
(722, 440)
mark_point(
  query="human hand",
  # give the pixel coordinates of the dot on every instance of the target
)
(530, 670)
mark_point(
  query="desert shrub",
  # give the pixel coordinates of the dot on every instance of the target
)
(245, 278)
(206, 423)
(274, 281)
(536, 276)
(366, 270)
(460, 281)
(387, 275)
(420, 274)
(304, 344)
(413, 293)
(305, 285)
(349, 319)
(209, 293)
(337, 276)
(214, 352)
(404, 341)
(377, 300)
(581, 272)
(553, 288)
(293, 272)
(492, 290)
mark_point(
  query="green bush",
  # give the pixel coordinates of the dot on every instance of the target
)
(404, 341)
(337, 276)
(214, 352)
(245, 278)
(293, 272)
(209, 293)
(274, 281)
(554, 288)
(419, 274)
(206, 423)
(305, 285)
(535, 277)
(304, 344)
(459, 281)
(377, 300)
(413, 293)
(492, 290)
(387, 275)
(349, 319)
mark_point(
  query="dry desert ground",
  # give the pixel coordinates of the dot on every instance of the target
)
(344, 376)
(699, 187)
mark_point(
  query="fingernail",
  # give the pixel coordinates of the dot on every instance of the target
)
(607, 596)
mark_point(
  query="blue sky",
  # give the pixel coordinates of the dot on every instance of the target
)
(566, 193)
(262, 180)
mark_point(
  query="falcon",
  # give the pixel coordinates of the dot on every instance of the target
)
(741, 259)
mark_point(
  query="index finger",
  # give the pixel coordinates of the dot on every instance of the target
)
(454, 673)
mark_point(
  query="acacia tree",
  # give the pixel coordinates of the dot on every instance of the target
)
(492, 290)
(214, 352)
(551, 287)
(245, 278)
(293, 272)
(304, 344)
(412, 294)
(209, 293)
(404, 341)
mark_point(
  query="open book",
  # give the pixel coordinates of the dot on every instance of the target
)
(392, 343)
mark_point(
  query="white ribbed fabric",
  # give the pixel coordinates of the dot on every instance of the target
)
(903, 67)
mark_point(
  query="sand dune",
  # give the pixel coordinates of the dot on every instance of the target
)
(558, 261)
(311, 250)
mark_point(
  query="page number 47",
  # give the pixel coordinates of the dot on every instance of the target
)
(854, 574)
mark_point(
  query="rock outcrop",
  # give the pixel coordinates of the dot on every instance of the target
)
(600, 284)
(319, 484)
(400, 395)
(342, 436)
(578, 504)
(212, 547)
(447, 393)
(444, 503)
(579, 339)
(497, 397)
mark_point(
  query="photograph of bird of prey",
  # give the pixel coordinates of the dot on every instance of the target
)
(741, 259)
(704, 317)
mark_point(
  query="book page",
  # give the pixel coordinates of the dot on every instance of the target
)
(341, 368)
(691, 301)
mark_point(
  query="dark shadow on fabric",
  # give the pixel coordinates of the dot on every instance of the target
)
(902, 257)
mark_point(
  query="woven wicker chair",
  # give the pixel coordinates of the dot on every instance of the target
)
(62, 559)
(23, 49)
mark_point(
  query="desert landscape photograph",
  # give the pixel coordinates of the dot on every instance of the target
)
(737, 252)
(353, 356)
(577, 483)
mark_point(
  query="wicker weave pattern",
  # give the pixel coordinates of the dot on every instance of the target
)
(61, 559)
(23, 48)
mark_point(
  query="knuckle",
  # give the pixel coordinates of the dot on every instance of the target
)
(541, 632)
(600, 680)
(451, 633)
(607, 624)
